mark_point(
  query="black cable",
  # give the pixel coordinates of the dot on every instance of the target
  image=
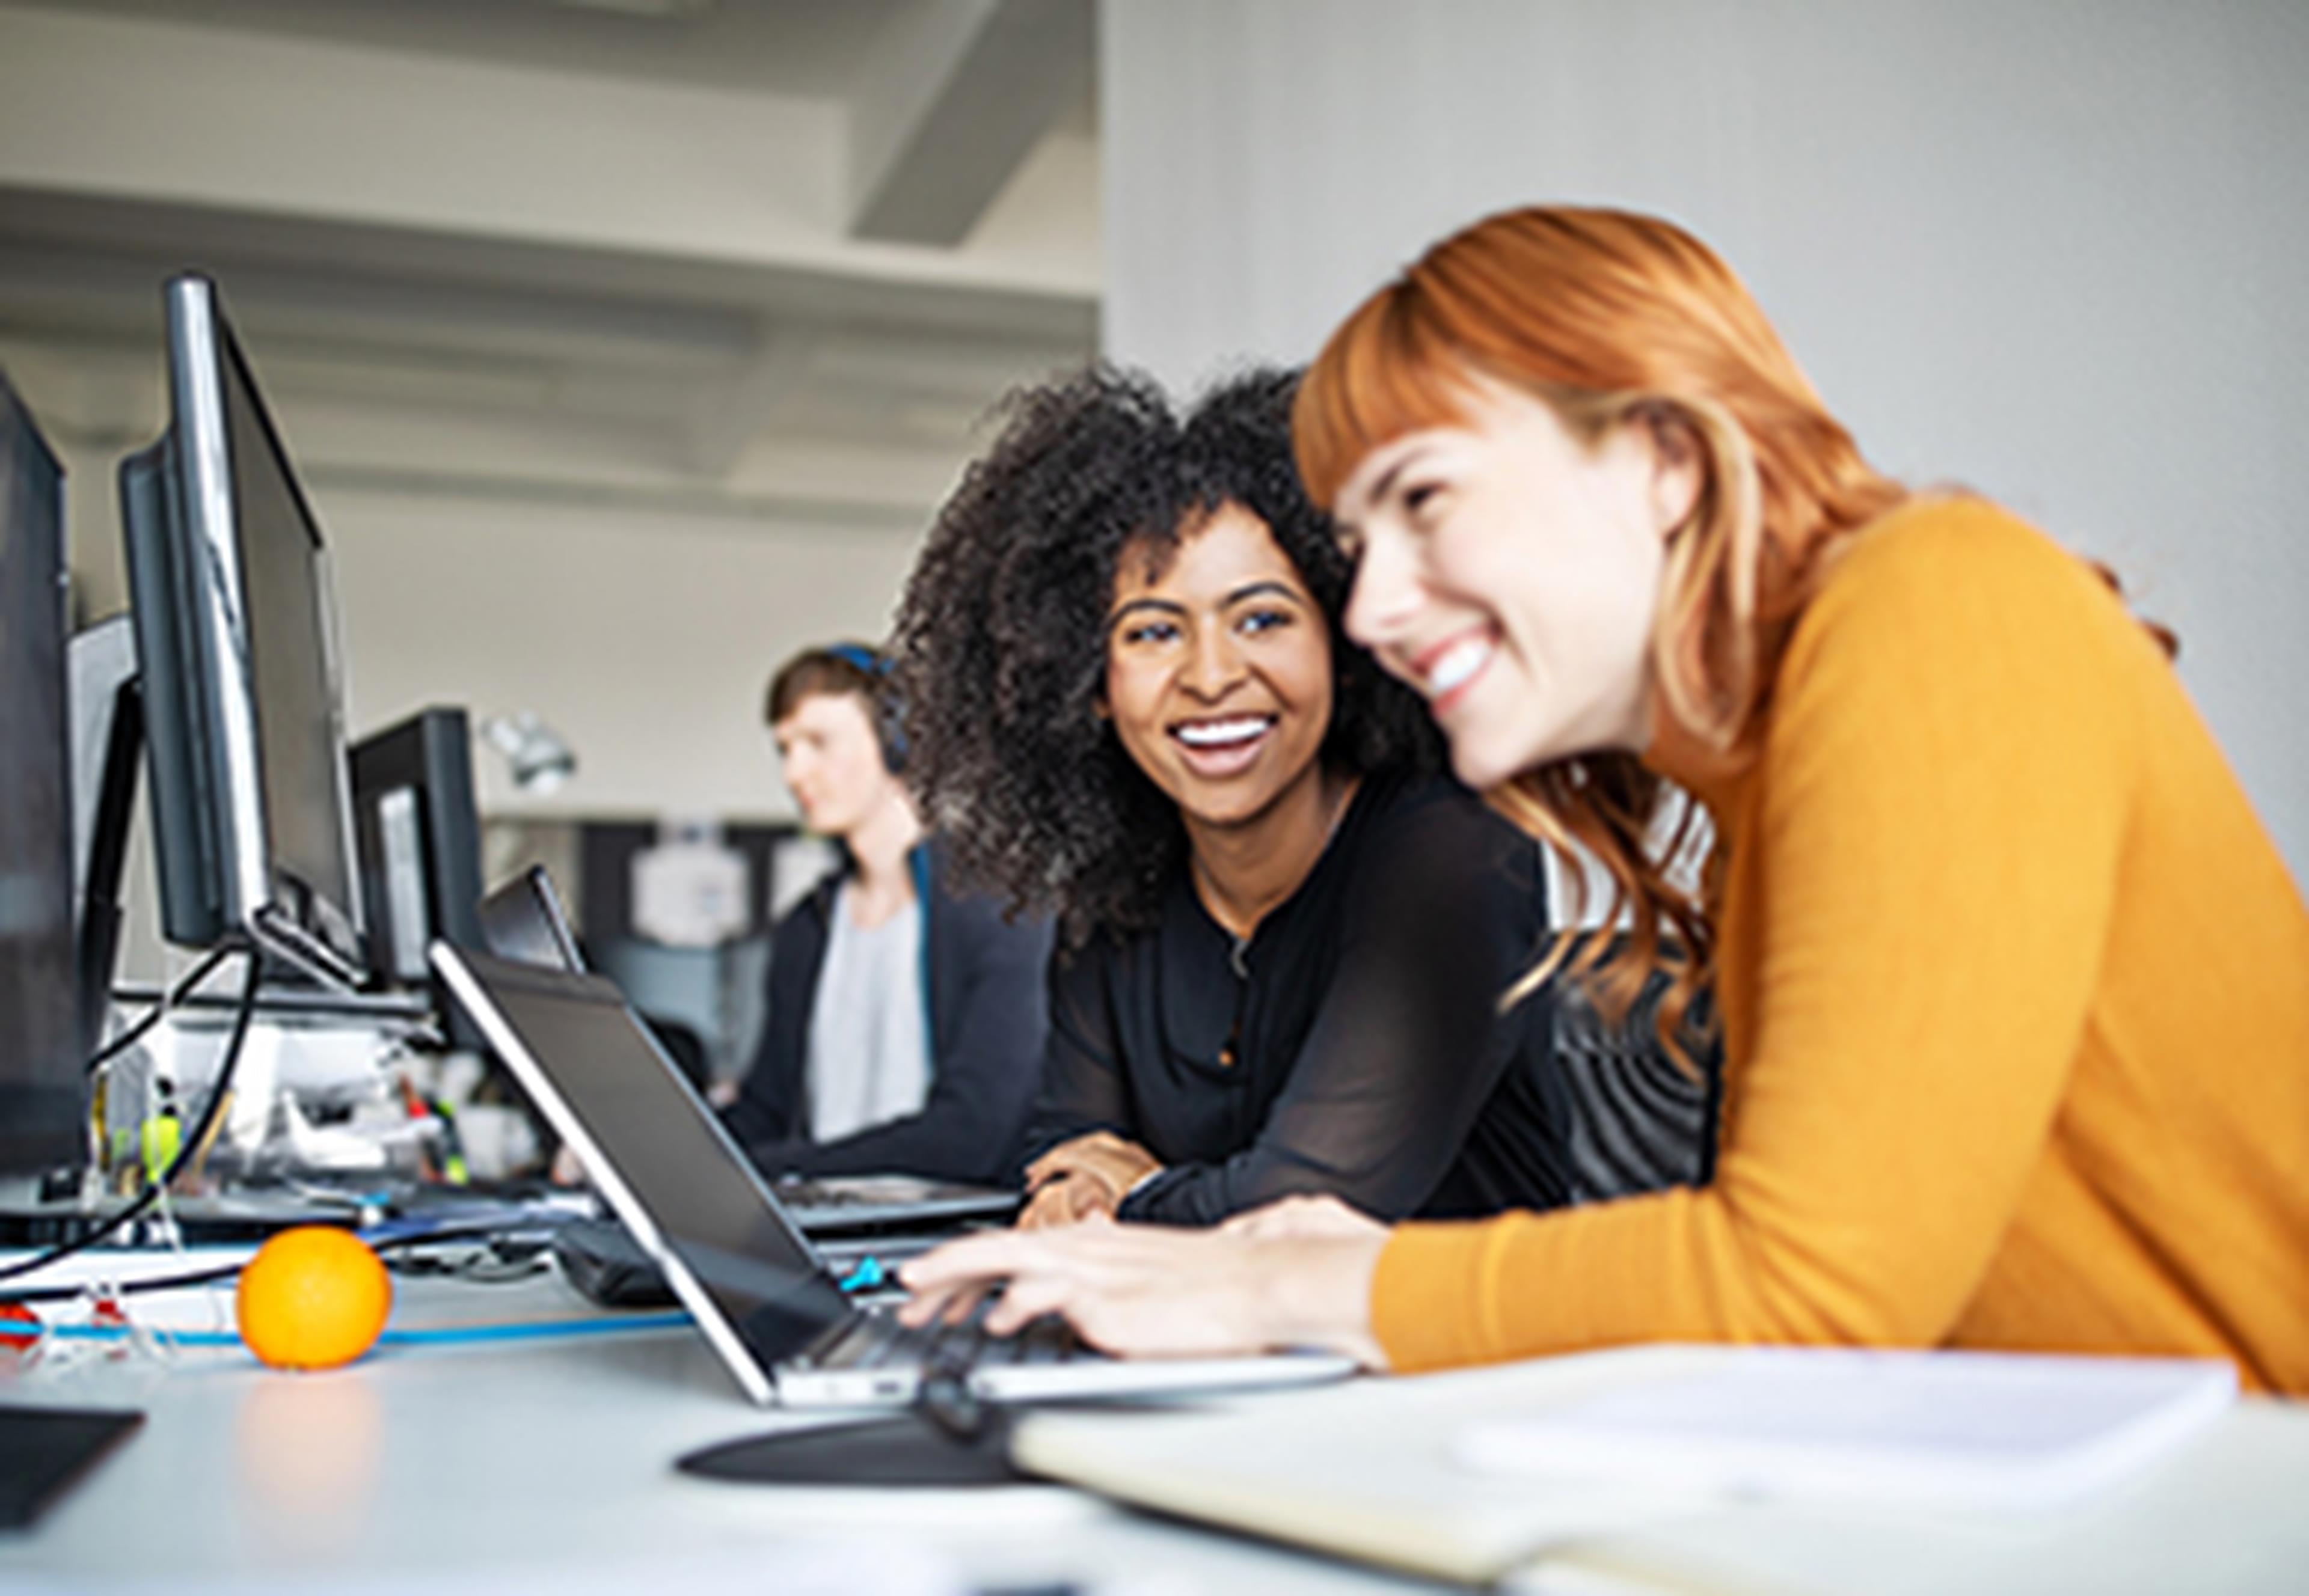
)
(144, 1199)
(152, 1283)
(225, 1271)
(158, 1011)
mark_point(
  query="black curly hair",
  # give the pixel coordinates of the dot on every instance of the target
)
(1000, 646)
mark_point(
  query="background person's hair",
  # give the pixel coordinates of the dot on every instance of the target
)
(1613, 317)
(1000, 647)
(832, 671)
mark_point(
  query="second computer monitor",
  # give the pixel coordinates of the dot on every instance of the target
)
(420, 837)
(236, 635)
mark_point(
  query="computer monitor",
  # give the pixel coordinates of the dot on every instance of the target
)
(235, 618)
(41, 1056)
(420, 837)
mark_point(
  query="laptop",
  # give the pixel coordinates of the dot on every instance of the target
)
(769, 1308)
(524, 921)
(856, 1206)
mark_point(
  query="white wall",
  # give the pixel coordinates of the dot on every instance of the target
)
(646, 640)
(2051, 248)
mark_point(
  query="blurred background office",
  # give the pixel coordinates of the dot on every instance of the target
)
(626, 346)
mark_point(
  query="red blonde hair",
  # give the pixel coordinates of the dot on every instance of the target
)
(1613, 317)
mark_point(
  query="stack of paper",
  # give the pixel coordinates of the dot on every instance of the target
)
(1905, 1429)
(1470, 1475)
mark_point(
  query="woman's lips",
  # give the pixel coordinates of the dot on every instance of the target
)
(1221, 745)
(1451, 668)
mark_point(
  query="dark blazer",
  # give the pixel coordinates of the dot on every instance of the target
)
(983, 983)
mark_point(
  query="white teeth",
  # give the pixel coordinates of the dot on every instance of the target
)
(1211, 734)
(1460, 661)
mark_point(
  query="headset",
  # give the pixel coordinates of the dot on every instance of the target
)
(887, 710)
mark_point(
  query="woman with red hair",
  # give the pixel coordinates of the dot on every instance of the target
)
(2014, 986)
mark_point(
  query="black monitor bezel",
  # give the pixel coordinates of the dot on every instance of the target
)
(427, 755)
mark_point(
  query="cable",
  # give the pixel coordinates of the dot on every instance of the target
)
(158, 1011)
(225, 1271)
(186, 1149)
(435, 1336)
(204, 1277)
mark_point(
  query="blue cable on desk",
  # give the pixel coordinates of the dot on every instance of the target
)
(446, 1335)
(544, 1329)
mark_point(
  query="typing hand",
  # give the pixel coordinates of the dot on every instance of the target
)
(1151, 1290)
(1311, 1218)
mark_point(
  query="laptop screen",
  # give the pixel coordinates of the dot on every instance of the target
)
(663, 1144)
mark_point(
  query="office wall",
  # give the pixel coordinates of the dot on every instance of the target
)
(2050, 248)
(644, 638)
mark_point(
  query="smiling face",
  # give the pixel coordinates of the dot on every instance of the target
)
(1218, 670)
(833, 763)
(1510, 572)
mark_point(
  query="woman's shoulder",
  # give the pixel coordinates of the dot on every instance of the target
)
(1397, 800)
(972, 911)
(1950, 628)
(1419, 827)
(1934, 545)
(1110, 948)
(1956, 579)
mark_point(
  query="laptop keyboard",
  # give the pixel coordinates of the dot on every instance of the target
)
(810, 1194)
(877, 1341)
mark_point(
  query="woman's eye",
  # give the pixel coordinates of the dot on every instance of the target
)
(1421, 499)
(1149, 632)
(1264, 620)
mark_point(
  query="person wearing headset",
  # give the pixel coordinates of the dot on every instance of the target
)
(905, 1020)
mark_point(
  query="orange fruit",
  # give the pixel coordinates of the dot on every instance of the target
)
(313, 1298)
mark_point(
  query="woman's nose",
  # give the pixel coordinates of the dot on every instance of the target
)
(1385, 595)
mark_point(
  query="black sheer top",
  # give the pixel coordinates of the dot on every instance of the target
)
(1353, 1046)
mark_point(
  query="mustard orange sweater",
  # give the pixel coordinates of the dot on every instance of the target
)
(2016, 998)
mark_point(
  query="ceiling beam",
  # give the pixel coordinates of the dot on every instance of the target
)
(728, 420)
(952, 100)
(300, 133)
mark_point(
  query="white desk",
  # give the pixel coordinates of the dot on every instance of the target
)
(548, 1465)
(536, 1464)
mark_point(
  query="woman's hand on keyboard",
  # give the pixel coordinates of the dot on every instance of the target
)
(1151, 1290)
(1308, 1218)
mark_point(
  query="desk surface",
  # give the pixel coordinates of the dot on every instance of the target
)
(547, 1463)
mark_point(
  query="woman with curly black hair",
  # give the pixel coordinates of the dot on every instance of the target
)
(1283, 936)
